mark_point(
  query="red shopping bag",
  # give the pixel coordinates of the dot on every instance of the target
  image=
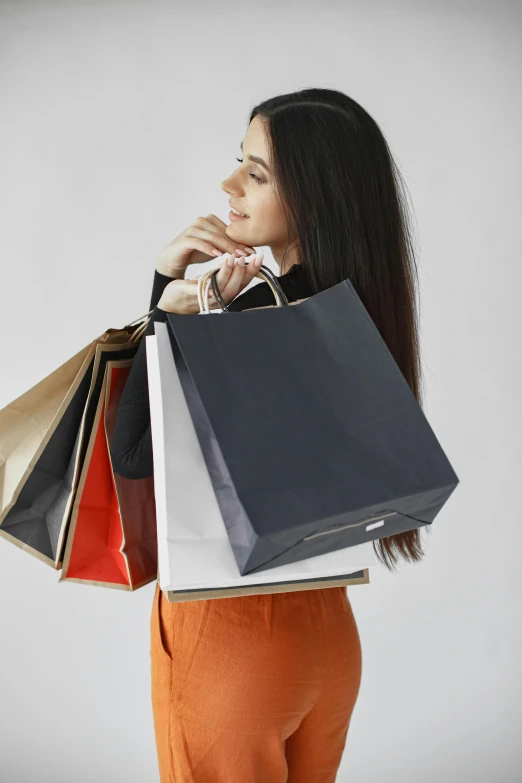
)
(112, 540)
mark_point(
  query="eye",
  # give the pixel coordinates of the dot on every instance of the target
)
(257, 179)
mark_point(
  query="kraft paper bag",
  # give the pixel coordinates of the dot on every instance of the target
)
(195, 557)
(358, 578)
(43, 435)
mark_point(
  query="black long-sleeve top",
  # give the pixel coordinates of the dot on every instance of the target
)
(131, 446)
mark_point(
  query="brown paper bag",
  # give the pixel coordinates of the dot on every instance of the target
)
(42, 442)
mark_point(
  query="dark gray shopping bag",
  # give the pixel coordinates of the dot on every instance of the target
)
(312, 436)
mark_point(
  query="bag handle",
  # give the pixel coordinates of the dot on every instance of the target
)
(116, 335)
(272, 281)
(140, 331)
(137, 321)
(208, 279)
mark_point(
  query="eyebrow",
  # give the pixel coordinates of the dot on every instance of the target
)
(255, 159)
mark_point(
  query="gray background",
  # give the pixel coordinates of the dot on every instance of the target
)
(119, 121)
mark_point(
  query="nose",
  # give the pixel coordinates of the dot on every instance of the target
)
(232, 180)
(225, 188)
(233, 193)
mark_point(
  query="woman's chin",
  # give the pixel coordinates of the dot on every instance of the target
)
(238, 236)
(241, 237)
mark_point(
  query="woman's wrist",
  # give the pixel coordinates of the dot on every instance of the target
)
(177, 273)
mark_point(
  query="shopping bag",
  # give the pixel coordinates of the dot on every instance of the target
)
(43, 436)
(312, 437)
(358, 578)
(195, 558)
(112, 534)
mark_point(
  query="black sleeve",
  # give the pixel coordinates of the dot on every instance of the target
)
(131, 446)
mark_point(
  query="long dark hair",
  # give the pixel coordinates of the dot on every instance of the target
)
(346, 207)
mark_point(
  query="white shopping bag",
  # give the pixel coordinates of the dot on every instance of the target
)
(195, 558)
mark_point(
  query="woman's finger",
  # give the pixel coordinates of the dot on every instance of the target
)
(225, 271)
(254, 265)
(241, 276)
(227, 278)
(216, 221)
(215, 240)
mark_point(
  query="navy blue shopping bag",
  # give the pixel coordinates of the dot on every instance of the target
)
(313, 439)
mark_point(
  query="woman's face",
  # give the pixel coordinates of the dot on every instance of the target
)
(252, 190)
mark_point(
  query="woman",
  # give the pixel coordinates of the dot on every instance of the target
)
(261, 689)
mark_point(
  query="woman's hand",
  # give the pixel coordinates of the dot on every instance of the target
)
(204, 239)
(181, 296)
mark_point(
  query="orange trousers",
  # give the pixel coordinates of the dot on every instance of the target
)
(253, 689)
